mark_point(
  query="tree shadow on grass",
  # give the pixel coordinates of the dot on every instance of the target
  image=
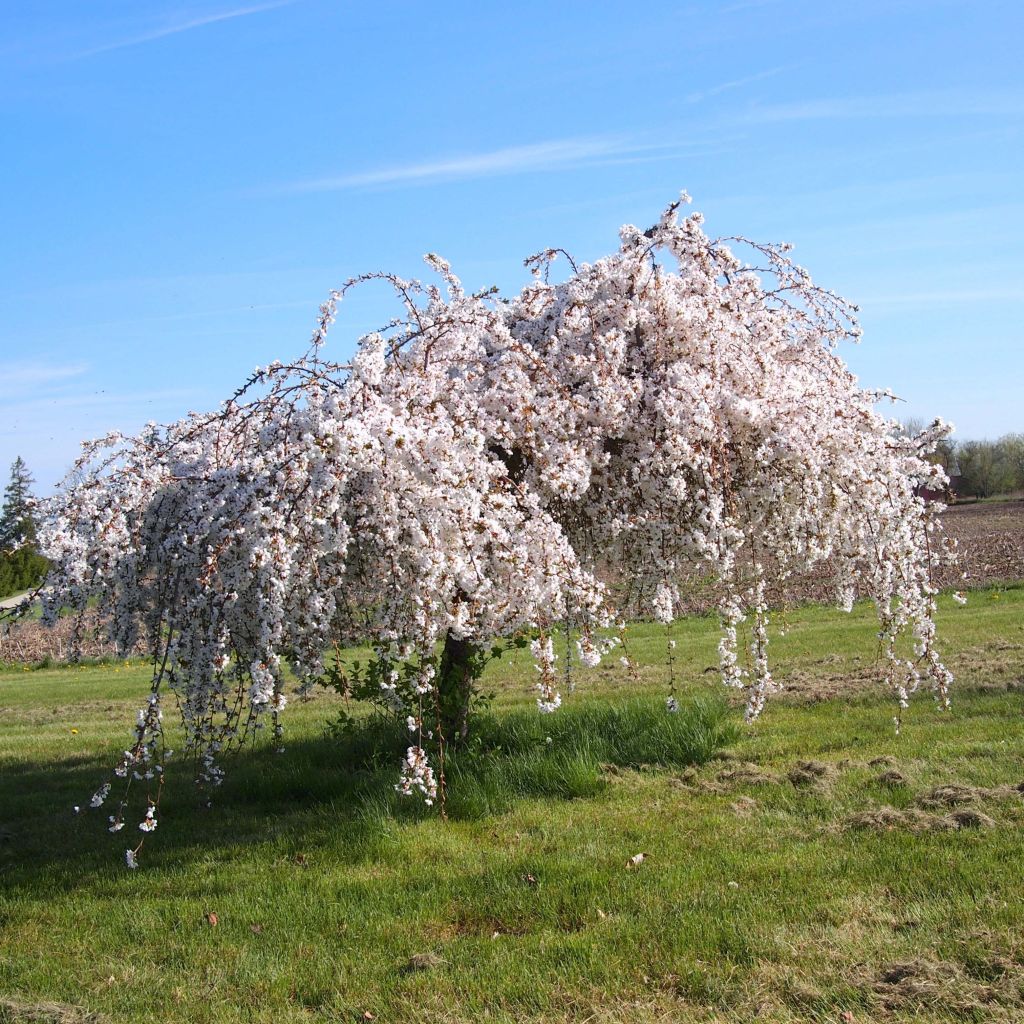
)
(341, 782)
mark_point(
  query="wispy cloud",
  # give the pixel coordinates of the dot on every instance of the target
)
(311, 303)
(35, 406)
(746, 5)
(919, 104)
(16, 377)
(736, 83)
(174, 28)
(560, 154)
(942, 297)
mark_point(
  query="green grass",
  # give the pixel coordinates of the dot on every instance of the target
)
(325, 884)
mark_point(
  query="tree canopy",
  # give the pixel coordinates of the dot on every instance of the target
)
(490, 467)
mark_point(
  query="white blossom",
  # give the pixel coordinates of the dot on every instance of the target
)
(663, 603)
(417, 775)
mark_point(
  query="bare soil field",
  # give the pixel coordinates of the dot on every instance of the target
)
(990, 535)
(990, 547)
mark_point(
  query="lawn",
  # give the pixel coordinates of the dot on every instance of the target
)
(814, 866)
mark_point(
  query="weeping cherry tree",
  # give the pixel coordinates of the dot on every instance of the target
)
(488, 468)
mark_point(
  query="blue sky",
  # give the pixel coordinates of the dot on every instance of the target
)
(183, 183)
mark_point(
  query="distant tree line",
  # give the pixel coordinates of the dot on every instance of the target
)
(21, 565)
(980, 469)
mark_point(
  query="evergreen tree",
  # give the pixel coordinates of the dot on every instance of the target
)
(21, 565)
(16, 520)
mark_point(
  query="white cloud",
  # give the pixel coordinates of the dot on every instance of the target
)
(746, 5)
(16, 377)
(561, 154)
(941, 297)
(176, 27)
(920, 104)
(736, 83)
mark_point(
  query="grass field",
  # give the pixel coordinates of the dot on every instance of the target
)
(815, 866)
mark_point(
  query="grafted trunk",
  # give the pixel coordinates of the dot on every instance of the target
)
(456, 685)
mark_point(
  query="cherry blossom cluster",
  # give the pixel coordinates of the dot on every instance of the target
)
(417, 776)
(485, 467)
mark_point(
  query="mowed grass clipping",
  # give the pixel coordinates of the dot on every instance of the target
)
(811, 865)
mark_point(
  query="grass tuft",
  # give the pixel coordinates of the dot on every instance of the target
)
(522, 754)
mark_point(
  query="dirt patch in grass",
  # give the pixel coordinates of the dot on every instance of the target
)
(975, 668)
(15, 1011)
(948, 807)
(746, 774)
(816, 684)
(885, 761)
(907, 985)
(492, 927)
(968, 817)
(743, 807)
(956, 795)
(811, 773)
(888, 819)
(422, 962)
(741, 773)
(950, 795)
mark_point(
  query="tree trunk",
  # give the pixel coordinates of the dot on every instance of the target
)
(456, 686)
